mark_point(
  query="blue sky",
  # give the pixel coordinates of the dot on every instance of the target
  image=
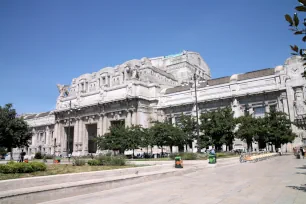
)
(43, 43)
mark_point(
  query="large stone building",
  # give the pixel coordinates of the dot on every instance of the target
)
(140, 91)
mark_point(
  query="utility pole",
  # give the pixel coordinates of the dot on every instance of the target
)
(197, 112)
(68, 135)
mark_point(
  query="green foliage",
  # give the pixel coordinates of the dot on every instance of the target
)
(248, 128)
(38, 155)
(14, 131)
(188, 126)
(48, 156)
(278, 128)
(185, 155)
(115, 139)
(166, 134)
(3, 151)
(294, 24)
(38, 166)
(78, 161)
(14, 167)
(217, 128)
(93, 162)
(111, 160)
(147, 138)
(134, 135)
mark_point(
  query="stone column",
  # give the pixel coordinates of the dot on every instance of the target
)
(128, 119)
(100, 126)
(85, 140)
(47, 136)
(285, 103)
(267, 107)
(104, 128)
(75, 136)
(134, 117)
(80, 136)
(173, 120)
(64, 141)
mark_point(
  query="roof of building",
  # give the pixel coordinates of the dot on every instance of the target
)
(256, 74)
(36, 115)
(224, 80)
(177, 89)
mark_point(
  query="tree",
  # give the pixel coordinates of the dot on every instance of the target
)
(217, 128)
(14, 131)
(278, 129)
(147, 139)
(247, 129)
(294, 24)
(134, 134)
(165, 134)
(188, 125)
(3, 151)
(116, 139)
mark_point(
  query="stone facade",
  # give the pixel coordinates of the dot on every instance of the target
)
(141, 91)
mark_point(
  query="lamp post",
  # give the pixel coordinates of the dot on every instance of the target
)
(68, 135)
(197, 114)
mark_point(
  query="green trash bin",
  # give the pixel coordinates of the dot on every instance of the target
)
(178, 162)
(212, 159)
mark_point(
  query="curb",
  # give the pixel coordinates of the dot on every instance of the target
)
(54, 192)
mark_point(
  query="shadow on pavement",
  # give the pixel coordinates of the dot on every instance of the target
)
(300, 188)
(302, 167)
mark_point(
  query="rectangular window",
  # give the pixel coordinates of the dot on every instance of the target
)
(259, 111)
(273, 108)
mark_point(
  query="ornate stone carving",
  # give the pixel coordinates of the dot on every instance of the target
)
(299, 102)
(63, 90)
(129, 89)
(102, 95)
(145, 62)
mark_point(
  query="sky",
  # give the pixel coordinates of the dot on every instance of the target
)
(43, 43)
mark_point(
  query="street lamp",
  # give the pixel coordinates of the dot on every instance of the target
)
(68, 135)
(197, 114)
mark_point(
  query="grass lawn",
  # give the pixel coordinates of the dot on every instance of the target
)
(226, 155)
(54, 169)
(152, 159)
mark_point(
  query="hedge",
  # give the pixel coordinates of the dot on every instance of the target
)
(104, 160)
(12, 167)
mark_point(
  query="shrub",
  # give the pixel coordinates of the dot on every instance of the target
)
(12, 167)
(23, 168)
(78, 162)
(38, 166)
(94, 162)
(117, 161)
(48, 156)
(38, 155)
(111, 160)
(185, 155)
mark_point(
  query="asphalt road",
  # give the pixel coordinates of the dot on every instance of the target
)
(279, 180)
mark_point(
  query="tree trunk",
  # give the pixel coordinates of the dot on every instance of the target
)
(186, 146)
(133, 154)
(11, 150)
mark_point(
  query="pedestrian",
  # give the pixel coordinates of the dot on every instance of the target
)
(302, 152)
(69, 156)
(22, 154)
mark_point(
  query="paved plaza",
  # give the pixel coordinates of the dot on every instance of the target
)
(279, 180)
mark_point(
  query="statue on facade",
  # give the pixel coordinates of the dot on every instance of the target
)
(145, 62)
(129, 89)
(299, 102)
(63, 90)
